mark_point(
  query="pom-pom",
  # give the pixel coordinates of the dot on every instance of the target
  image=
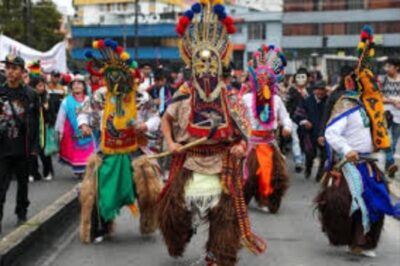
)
(180, 29)
(278, 50)
(222, 16)
(134, 64)
(101, 44)
(228, 21)
(125, 56)
(95, 45)
(231, 29)
(371, 52)
(361, 46)
(114, 45)
(196, 8)
(271, 47)
(89, 54)
(184, 21)
(256, 54)
(67, 78)
(364, 35)
(119, 50)
(219, 9)
(368, 29)
(189, 14)
(108, 42)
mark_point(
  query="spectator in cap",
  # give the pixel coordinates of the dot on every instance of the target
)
(18, 134)
(309, 116)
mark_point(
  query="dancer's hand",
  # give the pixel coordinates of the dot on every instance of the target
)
(174, 147)
(286, 133)
(321, 141)
(352, 156)
(238, 151)
(142, 128)
(86, 130)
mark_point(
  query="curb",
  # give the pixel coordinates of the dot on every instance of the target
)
(394, 188)
(25, 243)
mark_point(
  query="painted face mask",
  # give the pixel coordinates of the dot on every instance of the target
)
(266, 70)
(207, 74)
(205, 46)
(301, 79)
(121, 76)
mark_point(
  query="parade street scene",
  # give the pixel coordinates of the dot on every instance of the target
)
(199, 133)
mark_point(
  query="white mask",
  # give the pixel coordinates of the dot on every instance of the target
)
(301, 79)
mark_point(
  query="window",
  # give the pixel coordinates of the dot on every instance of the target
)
(355, 4)
(239, 28)
(257, 31)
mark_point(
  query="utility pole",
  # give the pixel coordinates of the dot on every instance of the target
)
(27, 15)
(136, 30)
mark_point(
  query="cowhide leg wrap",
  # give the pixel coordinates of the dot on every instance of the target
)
(148, 188)
(224, 233)
(175, 219)
(87, 197)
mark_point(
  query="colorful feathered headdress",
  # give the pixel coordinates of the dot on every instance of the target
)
(35, 69)
(113, 63)
(370, 92)
(365, 48)
(266, 70)
(206, 25)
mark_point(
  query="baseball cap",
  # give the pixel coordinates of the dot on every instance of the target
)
(14, 60)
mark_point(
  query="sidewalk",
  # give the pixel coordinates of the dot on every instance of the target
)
(41, 195)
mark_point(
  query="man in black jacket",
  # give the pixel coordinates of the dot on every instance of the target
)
(18, 134)
(309, 118)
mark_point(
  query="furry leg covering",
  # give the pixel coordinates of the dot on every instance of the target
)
(224, 233)
(87, 197)
(280, 181)
(148, 188)
(174, 218)
(333, 204)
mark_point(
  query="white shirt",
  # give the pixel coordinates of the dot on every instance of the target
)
(280, 112)
(350, 134)
(391, 90)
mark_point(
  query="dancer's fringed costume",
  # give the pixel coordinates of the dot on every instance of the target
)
(205, 181)
(265, 168)
(354, 197)
(112, 181)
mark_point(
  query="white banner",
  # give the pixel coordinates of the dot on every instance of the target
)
(54, 59)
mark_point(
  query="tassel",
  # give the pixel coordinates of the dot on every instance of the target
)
(134, 210)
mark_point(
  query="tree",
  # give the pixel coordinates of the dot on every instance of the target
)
(44, 21)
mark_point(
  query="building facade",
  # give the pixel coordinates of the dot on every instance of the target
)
(312, 28)
(157, 39)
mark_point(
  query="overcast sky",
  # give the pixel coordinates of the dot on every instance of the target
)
(65, 6)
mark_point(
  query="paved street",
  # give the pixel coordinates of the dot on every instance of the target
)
(41, 194)
(294, 239)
